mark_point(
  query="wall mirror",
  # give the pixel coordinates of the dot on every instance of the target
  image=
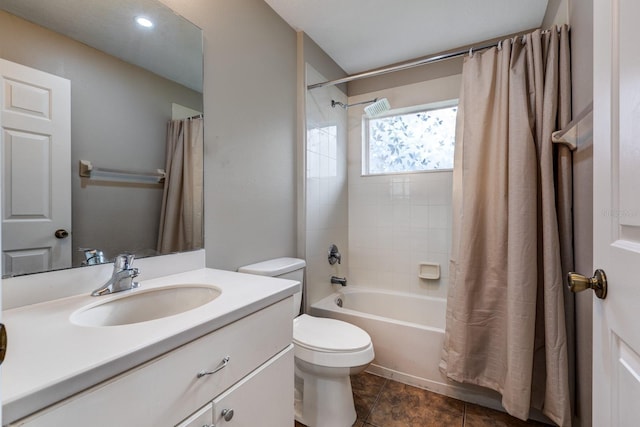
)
(127, 83)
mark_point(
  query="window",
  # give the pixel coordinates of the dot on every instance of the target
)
(419, 140)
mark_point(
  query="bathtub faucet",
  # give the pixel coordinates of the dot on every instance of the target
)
(339, 280)
(334, 255)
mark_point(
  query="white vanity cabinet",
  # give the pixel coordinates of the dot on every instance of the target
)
(202, 418)
(255, 382)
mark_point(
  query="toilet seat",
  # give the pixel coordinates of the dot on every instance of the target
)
(329, 335)
(331, 342)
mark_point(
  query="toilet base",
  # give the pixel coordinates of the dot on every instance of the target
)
(323, 395)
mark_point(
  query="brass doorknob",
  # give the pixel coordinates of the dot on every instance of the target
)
(578, 283)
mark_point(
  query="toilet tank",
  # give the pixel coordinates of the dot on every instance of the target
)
(282, 268)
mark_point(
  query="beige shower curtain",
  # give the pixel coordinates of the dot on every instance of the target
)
(181, 217)
(506, 327)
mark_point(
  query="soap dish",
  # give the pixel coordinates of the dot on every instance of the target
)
(429, 270)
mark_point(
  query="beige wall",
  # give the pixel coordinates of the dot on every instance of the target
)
(118, 120)
(581, 20)
(250, 130)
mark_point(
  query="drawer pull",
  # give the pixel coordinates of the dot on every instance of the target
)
(224, 363)
(227, 414)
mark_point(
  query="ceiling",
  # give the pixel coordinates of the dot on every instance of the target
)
(359, 35)
(171, 49)
(362, 35)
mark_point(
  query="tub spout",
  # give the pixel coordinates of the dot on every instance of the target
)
(339, 280)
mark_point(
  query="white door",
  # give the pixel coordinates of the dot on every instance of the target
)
(35, 135)
(616, 142)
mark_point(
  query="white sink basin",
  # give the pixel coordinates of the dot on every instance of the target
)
(143, 305)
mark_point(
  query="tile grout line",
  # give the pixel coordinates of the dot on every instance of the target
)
(375, 402)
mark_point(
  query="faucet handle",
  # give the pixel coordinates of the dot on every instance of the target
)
(334, 255)
(123, 262)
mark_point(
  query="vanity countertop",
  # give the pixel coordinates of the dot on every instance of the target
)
(49, 358)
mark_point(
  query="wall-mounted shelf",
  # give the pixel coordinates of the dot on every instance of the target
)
(87, 170)
(578, 131)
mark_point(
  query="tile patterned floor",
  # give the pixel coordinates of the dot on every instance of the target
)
(386, 403)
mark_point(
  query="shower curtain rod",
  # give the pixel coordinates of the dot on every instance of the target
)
(399, 67)
(408, 65)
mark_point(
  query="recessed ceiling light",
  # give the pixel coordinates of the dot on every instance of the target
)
(144, 22)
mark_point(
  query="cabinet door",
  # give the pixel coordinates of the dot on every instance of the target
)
(202, 418)
(262, 398)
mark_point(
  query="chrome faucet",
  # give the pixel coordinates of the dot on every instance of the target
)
(92, 256)
(121, 278)
(339, 280)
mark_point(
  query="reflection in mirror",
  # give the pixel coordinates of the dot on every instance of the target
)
(122, 116)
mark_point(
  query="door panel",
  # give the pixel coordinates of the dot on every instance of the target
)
(37, 259)
(27, 99)
(626, 411)
(26, 165)
(616, 339)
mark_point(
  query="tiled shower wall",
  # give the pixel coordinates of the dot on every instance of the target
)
(326, 185)
(398, 221)
(395, 223)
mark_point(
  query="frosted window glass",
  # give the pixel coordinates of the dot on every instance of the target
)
(417, 141)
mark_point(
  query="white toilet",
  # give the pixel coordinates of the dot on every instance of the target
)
(326, 352)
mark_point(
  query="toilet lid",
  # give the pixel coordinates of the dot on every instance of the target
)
(323, 334)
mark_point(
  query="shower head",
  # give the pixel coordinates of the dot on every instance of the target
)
(378, 107)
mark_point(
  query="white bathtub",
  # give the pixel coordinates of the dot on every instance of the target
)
(407, 331)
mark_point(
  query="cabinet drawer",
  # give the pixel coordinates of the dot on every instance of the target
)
(202, 418)
(263, 398)
(165, 390)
